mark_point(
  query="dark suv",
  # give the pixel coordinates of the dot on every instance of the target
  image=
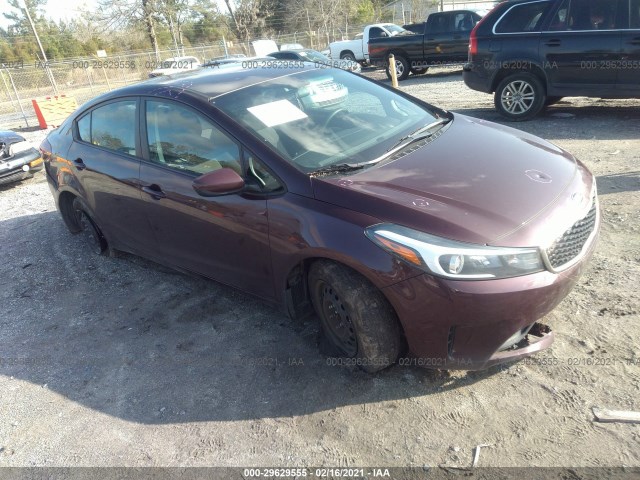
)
(531, 53)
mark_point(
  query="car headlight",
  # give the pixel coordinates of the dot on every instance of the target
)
(19, 147)
(452, 259)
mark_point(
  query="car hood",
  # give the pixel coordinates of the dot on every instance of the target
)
(477, 182)
(7, 138)
(171, 71)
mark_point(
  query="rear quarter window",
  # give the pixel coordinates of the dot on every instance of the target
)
(526, 17)
(84, 128)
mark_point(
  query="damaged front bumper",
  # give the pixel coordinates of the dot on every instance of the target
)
(538, 338)
(20, 166)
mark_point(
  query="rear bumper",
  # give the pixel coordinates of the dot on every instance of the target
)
(476, 78)
(469, 325)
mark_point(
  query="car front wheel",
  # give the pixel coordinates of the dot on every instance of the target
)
(519, 97)
(355, 317)
(348, 56)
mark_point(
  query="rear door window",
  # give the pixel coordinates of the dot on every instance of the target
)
(526, 17)
(634, 14)
(464, 22)
(580, 15)
(112, 126)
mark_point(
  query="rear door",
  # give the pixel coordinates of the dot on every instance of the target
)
(224, 237)
(438, 38)
(629, 71)
(463, 23)
(446, 38)
(105, 159)
(581, 45)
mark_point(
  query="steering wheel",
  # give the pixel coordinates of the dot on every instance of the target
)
(332, 116)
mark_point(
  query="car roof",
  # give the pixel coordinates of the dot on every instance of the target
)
(209, 82)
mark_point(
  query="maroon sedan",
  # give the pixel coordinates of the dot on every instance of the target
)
(401, 225)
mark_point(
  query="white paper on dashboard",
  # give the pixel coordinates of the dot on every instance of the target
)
(277, 113)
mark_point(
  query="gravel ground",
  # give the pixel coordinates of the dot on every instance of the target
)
(121, 362)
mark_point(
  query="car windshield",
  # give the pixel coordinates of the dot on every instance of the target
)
(319, 118)
(394, 29)
(313, 56)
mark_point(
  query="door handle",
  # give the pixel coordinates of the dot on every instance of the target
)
(155, 191)
(635, 41)
(79, 164)
(553, 43)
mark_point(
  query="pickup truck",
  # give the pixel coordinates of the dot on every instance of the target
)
(356, 50)
(444, 39)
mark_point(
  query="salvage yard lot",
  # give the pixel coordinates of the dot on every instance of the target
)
(118, 361)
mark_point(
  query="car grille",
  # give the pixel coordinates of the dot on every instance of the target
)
(570, 244)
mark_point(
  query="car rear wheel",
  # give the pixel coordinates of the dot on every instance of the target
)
(519, 97)
(348, 56)
(92, 234)
(402, 68)
(355, 317)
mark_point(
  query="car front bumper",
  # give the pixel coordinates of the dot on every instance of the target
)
(466, 324)
(22, 165)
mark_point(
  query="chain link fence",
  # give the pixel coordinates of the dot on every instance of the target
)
(85, 78)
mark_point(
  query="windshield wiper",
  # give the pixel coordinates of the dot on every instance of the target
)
(337, 168)
(421, 133)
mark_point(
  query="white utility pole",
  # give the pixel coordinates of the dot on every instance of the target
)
(44, 55)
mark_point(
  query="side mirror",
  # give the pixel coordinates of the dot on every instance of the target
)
(219, 182)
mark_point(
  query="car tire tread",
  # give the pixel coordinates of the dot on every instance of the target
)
(378, 331)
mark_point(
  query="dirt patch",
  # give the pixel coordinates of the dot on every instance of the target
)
(117, 361)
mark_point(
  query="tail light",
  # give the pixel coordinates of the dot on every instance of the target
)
(473, 38)
(473, 41)
(45, 149)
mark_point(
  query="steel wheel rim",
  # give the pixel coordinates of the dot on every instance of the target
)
(335, 318)
(518, 97)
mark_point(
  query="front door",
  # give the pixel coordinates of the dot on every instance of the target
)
(224, 237)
